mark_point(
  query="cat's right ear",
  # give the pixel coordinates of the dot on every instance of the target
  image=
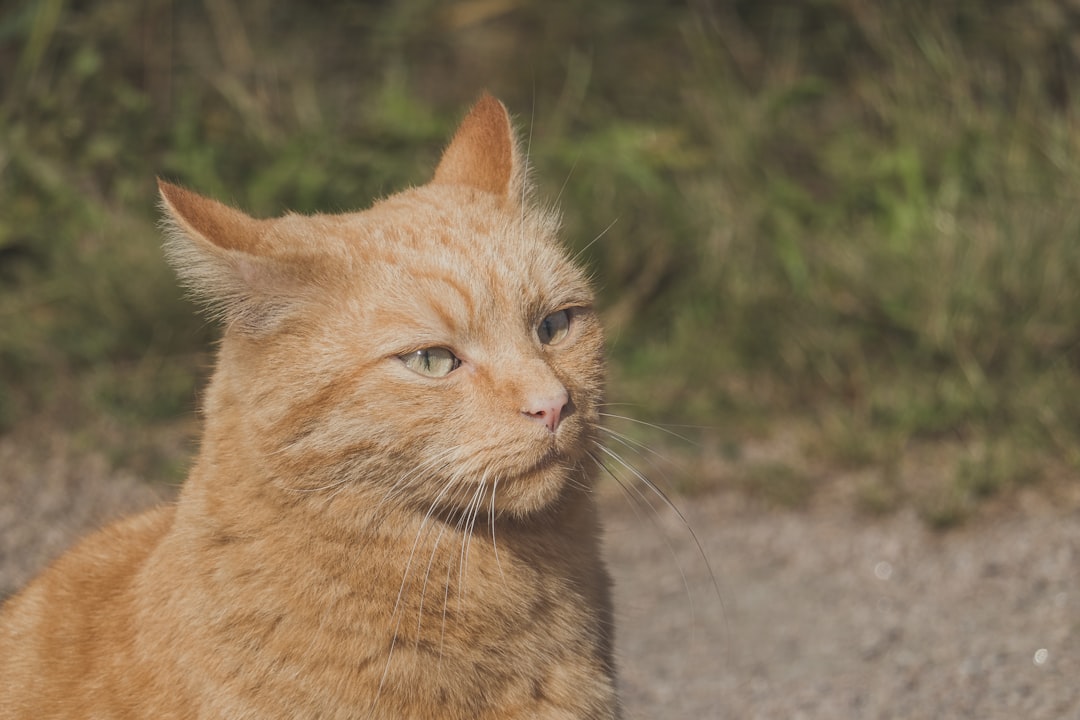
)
(217, 253)
(484, 153)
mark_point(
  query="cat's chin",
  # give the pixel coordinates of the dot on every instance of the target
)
(535, 489)
(518, 494)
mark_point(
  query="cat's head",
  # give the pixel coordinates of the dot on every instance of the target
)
(438, 349)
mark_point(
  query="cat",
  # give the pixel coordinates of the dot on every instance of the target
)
(391, 511)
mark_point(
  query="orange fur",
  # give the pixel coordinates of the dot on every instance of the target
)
(356, 539)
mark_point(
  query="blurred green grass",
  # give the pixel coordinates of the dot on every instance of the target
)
(861, 215)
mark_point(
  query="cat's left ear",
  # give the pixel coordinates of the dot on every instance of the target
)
(484, 153)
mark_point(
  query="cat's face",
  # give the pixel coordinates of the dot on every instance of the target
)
(438, 349)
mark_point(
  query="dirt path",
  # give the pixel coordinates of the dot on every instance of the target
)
(823, 614)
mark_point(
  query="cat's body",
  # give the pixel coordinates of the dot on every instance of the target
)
(391, 512)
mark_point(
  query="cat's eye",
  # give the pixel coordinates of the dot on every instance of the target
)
(433, 362)
(553, 329)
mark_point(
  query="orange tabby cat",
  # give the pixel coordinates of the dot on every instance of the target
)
(390, 514)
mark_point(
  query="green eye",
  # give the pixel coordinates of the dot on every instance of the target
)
(433, 362)
(554, 328)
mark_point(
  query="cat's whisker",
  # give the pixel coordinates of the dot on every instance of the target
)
(397, 488)
(446, 585)
(575, 478)
(401, 591)
(446, 602)
(471, 511)
(596, 239)
(321, 488)
(427, 576)
(566, 180)
(658, 492)
(646, 453)
(415, 476)
(632, 444)
(641, 450)
(491, 517)
(342, 486)
(525, 165)
(650, 425)
(642, 500)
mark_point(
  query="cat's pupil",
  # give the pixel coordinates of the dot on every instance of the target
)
(432, 362)
(554, 328)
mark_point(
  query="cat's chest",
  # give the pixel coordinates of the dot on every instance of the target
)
(461, 617)
(445, 591)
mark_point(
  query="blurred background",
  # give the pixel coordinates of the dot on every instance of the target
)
(837, 238)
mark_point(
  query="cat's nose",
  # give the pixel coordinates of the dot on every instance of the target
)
(547, 409)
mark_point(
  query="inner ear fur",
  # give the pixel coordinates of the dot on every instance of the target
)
(220, 255)
(484, 153)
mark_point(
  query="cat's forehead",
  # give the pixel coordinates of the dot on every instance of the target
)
(459, 263)
(467, 243)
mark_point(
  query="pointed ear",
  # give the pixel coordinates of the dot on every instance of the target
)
(484, 154)
(216, 252)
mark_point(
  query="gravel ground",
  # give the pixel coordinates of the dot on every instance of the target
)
(817, 614)
(825, 615)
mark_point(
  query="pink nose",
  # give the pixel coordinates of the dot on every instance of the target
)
(547, 410)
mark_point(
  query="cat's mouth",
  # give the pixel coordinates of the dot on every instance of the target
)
(520, 477)
(537, 485)
(556, 453)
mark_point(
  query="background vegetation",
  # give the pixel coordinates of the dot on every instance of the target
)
(860, 220)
